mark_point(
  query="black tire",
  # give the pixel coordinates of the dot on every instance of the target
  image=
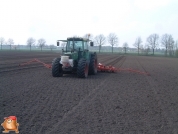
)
(57, 68)
(93, 64)
(82, 68)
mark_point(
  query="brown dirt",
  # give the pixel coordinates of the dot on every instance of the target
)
(120, 102)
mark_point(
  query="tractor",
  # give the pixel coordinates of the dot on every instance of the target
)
(76, 58)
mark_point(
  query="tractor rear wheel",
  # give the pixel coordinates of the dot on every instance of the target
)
(93, 64)
(57, 68)
(82, 68)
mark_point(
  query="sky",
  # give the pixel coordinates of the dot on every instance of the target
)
(59, 19)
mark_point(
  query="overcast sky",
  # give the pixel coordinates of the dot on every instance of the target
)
(59, 19)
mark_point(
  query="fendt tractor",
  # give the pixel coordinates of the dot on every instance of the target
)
(76, 58)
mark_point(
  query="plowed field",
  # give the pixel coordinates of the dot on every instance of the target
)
(122, 102)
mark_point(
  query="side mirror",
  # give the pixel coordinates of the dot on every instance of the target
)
(91, 44)
(58, 43)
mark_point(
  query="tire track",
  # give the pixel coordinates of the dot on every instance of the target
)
(105, 59)
(115, 61)
(91, 95)
(20, 69)
(153, 84)
(141, 66)
(4, 68)
(121, 62)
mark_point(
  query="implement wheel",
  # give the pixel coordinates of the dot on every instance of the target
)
(57, 68)
(93, 64)
(82, 69)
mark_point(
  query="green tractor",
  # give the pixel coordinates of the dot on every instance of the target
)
(75, 59)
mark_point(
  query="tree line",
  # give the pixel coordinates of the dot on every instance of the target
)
(30, 42)
(153, 41)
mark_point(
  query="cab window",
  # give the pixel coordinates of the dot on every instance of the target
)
(77, 45)
(85, 45)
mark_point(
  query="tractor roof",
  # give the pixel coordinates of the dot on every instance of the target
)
(77, 39)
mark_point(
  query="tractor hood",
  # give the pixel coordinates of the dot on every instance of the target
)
(73, 55)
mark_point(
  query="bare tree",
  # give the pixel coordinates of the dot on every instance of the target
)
(164, 41)
(2, 41)
(30, 42)
(113, 40)
(176, 45)
(125, 46)
(146, 49)
(137, 43)
(167, 42)
(153, 41)
(18, 46)
(100, 40)
(41, 43)
(171, 46)
(10, 42)
(52, 47)
(176, 49)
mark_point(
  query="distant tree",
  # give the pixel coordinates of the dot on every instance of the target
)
(30, 42)
(176, 49)
(171, 46)
(100, 40)
(164, 41)
(168, 42)
(125, 46)
(10, 42)
(146, 49)
(137, 43)
(153, 41)
(41, 43)
(113, 40)
(52, 47)
(176, 45)
(18, 46)
(2, 41)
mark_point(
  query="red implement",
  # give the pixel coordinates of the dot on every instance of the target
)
(100, 67)
(104, 68)
(36, 60)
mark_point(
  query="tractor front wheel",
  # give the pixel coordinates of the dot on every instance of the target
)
(57, 68)
(82, 69)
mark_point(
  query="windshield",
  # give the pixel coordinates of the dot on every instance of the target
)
(74, 45)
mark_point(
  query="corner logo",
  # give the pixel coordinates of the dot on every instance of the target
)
(10, 124)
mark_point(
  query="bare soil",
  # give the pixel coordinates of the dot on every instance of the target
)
(121, 102)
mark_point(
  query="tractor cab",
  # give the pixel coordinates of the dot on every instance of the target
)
(76, 48)
(76, 44)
